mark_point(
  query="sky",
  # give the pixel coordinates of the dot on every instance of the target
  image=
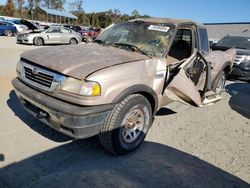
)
(209, 11)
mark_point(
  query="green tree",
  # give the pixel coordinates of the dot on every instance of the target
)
(1, 9)
(97, 23)
(135, 14)
(54, 4)
(104, 19)
(86, 21)
(76, 8)
(9, 9)
(125, 17)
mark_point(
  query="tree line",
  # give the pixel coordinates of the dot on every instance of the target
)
(27, 9)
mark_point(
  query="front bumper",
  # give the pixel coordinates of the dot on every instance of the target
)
(241, 71)
(70, 119)
(24, 40)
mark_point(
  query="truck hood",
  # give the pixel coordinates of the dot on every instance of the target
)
(80, 60)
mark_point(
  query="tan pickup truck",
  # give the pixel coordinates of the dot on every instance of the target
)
(114, 87)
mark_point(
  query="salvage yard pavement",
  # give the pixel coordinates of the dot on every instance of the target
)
(186, 146)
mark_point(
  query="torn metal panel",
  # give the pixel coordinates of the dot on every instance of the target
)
(182, 89)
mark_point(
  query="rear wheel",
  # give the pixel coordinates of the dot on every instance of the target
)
(8, 33)
(89, 39)
(219, 84)
(38, 41)
(127, 125)
(73, 41)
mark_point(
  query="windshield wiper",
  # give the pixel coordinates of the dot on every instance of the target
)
(133, 47)
(99, 41)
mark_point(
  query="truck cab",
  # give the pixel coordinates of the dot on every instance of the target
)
(114, 87)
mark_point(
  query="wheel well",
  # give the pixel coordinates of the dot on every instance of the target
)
(151, 100)
(227, 70)
(37, 38)
(143, 90)
(74, 39)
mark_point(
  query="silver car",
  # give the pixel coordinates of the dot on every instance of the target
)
(53, 35)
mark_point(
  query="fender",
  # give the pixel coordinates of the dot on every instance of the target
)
(226, 64)
(145, 90)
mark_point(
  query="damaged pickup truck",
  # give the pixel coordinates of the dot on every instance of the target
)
(114, 87)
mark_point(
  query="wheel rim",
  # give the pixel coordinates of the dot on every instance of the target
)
(39, 42)
(89, 40)
(8, 33)
(132, 125)
(220, 84)
(73, 41)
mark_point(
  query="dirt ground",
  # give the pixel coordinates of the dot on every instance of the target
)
(186, 147)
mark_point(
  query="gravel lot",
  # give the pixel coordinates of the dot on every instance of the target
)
(186, 147)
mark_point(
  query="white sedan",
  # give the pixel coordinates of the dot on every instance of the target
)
(53, 35)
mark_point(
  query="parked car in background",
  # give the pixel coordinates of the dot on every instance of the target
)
(90, 34)
(19, 28)
(37, 24)
(53, 35)
(7, 29)
(241, 66)
(114, 87)
(24, 25)
(75, 28)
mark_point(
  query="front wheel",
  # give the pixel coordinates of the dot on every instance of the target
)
(219, 84)
(89, 40)
(126, 125)
(38, 41)
(8, 33)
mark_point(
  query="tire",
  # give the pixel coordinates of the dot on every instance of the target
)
(219, 84)
(8, 33)
(38, 41)
(73, 41)
(126, 125)
(89, 40)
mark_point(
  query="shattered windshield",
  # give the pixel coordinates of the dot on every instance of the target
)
(151, 39)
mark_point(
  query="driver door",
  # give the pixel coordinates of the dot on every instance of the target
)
(187, 73)
(186, 82)
(53, 35)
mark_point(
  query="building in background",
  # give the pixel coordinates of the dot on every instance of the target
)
(218, 30)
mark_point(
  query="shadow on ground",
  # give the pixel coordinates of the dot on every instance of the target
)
(240, 98)
(33, 123)
(85, 164)
(165, 111)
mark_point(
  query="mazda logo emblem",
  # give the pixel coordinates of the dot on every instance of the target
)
(35, 71)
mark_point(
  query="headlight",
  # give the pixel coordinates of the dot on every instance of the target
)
(246, 58)
(79, 87)
(18, 67)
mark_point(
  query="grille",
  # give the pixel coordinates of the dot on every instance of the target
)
(38, 77)
(238, 59)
